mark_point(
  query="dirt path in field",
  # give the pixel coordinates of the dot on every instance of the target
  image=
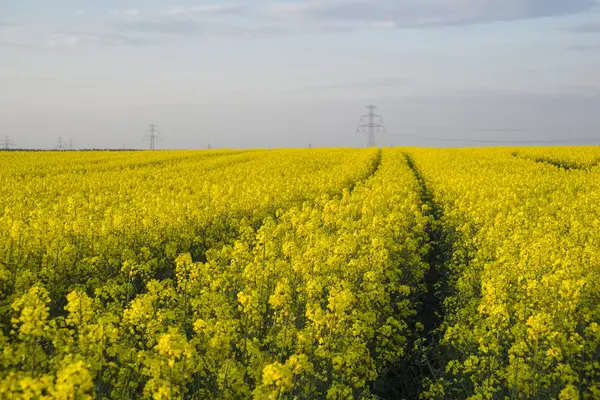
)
(558, 164)
(404, 380)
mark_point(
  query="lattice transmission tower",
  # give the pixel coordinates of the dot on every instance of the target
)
(7, 143)
(60, 144)
(371, 126)
(152, 135)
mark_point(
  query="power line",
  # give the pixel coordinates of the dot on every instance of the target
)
(371, 126)
(152, 135)
(7, 142)
(516, 129)
(498, 141)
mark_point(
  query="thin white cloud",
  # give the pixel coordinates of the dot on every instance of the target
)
(290, 8)
(388, 82)
(11, 35)
(79, 39)
(588, 27)
(279, 17)
(14, 43)
(200, 20)
(382, 25)
(202, 9)
(127, 13)
(9, 25)
(35, 37)
(427, 13)
(583, 47)
(276, 18)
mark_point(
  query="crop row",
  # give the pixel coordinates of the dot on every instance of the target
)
(521, 299)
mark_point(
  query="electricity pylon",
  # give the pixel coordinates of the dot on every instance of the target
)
(7, 143)
(152, 135)
(60, 144)
(371, 127)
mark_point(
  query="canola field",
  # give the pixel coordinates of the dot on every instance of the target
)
(395, 273)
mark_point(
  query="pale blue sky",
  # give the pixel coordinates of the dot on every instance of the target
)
(282, 73)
